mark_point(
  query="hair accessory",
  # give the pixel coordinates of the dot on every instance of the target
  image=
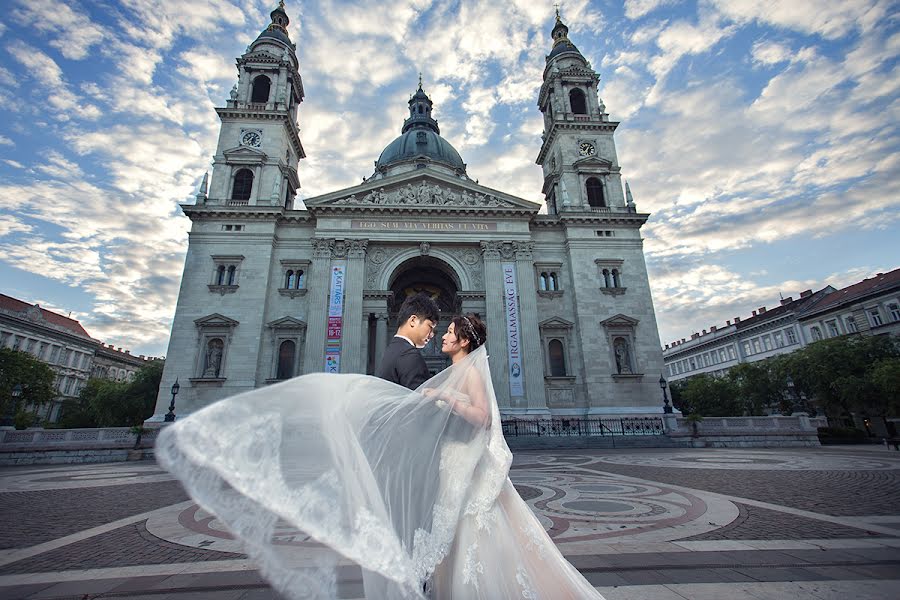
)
(472, 330)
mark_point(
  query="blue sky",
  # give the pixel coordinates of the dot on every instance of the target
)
(762, 136)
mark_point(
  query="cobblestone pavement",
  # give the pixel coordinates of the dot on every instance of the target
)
(804, 524)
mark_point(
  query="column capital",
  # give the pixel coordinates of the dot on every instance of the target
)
(322, 247)
(523, 250)
(357, 248)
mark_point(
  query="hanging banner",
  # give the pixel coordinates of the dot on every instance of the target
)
(335, 320)
(511, 304)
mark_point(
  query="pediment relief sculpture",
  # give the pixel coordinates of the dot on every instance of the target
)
(425, 194)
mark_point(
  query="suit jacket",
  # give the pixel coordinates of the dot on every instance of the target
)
(403, 364)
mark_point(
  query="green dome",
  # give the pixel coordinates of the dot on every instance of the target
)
(420, 141)
(420, 137)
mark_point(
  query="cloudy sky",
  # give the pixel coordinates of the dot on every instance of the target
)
(762, 135)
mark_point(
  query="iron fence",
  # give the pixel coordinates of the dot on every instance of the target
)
(583, 427)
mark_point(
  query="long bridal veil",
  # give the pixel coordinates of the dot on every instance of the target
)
(324, 469)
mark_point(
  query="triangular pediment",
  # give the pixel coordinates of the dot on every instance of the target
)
(244, 152)
(425, 191)
(556, 323)
(215, 320)
(620, 320)
(286, 323)
(593, 161)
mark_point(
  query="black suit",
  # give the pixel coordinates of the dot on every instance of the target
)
(403, 364)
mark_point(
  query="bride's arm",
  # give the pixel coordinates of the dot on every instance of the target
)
(476, 411)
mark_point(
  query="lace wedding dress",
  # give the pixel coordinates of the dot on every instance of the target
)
(324, 469)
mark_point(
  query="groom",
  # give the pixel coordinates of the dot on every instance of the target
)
(402, 362)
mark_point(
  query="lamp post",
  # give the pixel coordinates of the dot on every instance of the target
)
(9, 417)
(170, 416)
(667, 408)
(796, 400)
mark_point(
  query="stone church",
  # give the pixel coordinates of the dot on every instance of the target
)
(272, 290)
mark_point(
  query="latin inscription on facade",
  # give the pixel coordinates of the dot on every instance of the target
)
(399, 225)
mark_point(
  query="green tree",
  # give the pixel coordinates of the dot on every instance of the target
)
(711, 397)
(114, 404)
(885, 374)
(36, 379)
(758, 385)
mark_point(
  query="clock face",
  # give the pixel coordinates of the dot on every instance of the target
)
(586, 149)
(250, 138)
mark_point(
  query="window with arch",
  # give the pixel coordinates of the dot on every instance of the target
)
(816, 333)
(225, 273)
(578, 102)
(594, 190)
(610, 272)
(293, 277)
(260, 91)
(548, 279)
(616, 280)
(557, 358)
(243, 185)
(286, 355)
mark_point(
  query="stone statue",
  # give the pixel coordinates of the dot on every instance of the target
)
(564, 193)
(628, 198)
(623, 360)
(276, 191)
(213, 358)
(233, 93)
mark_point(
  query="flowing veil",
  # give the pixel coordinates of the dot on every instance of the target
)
(322, 470)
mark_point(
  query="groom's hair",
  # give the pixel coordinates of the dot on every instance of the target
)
(420, 305)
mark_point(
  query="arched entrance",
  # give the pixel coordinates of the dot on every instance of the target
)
(437, 279)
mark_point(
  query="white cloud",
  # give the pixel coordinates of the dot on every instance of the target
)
(58, 167)
(831, 19)
(14, 163)
(635, 9)
(9, 224)
(5, 141)
(74, 32)
(770, 53)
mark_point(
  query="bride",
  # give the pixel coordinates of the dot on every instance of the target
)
(321, 471)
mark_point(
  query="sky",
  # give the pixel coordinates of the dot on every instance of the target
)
(761, 136)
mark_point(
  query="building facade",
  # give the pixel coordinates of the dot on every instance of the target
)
(65, 346)
(869, 307)
(271, 290)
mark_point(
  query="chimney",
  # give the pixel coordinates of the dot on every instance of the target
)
(142, 357)
(727, 323)
(762, 309)
(737, 320)
(787, 300)
(704, 332)
(754, 313)
(667, 347)
(118, 349)
(695, 335)
(128, 352)
(713, 329)
(806, 293)
(683, 340)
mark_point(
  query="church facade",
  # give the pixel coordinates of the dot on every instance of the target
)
(271, 291)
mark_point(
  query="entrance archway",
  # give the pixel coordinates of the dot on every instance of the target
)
(437, 279)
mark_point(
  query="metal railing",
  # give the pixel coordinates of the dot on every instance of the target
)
(583, 427)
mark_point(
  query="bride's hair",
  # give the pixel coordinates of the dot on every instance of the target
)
(471, 328)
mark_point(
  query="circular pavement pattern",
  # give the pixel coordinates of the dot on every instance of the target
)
(751, 460)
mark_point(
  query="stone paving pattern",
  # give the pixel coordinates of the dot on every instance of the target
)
(30, 518)
(755, 523)
(860, 492)
(123, 547)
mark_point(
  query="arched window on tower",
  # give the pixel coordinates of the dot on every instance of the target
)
(289, 279)
(220, 275)
(594, 189)
(554, 281)
(243, 184)
(557, 358)
(286, 360)
(231, 272)
(606, 280)
(261, 87)
(615, 277)
(576, 99)
(544, 282)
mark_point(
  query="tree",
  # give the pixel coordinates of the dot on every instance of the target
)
(885, 375)
(758, 385)
(711, 397)
(35, 377)
(105, 403)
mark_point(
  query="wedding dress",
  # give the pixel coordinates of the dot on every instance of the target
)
(322, 470)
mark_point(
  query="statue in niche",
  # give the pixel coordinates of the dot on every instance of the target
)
(213, 358)
(623, 356)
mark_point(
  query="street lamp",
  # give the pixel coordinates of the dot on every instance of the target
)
(9, 417)
(667, 408)
(170, 416)
(796, 399)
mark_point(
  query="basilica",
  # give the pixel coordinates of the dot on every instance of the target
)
(273, 288)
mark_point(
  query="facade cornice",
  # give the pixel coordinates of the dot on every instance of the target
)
(51, 329)
(218, 211)
(580, 126)
(620, 219)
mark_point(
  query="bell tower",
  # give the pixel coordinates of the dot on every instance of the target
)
(259, 142)
(578, 154)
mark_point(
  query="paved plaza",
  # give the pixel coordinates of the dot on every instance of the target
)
(701, 524)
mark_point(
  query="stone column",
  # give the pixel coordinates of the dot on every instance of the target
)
(352, 359)
(495, 320)
(529, 333)
(381, 335)
(319, 282)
